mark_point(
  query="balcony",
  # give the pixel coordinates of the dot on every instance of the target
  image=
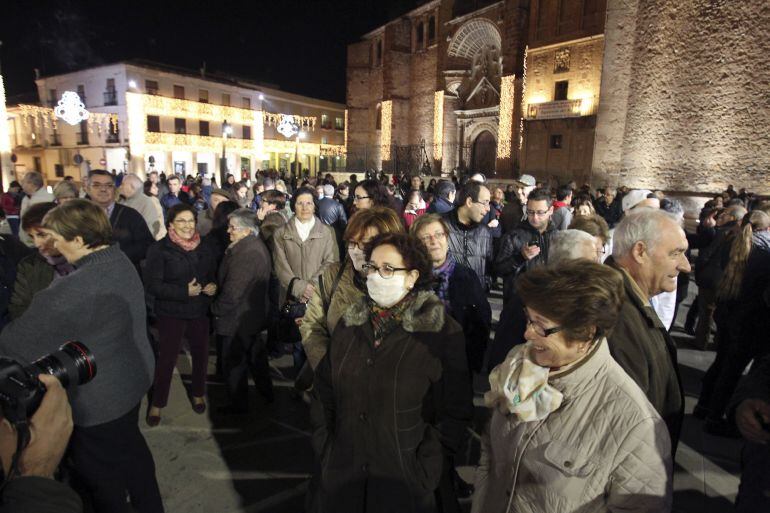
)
(55, 139)
(82, 138)
(562, 109)
(112, 138)
(110, 97)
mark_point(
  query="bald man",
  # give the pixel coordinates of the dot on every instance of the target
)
(132, 193)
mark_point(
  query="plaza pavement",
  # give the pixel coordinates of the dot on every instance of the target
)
(263, 462)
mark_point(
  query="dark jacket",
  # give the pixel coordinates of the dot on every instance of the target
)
(512, 215)
(33, 274)
(241, 305)
(168, 200)
(470, 245)
(509, 262)
(440, 206)
(100, 304)
(130, 231)
(642, 346)
(510, 330)
(168, 271)
(12, 250)
(32, 494)
(392, 412)
(331, 212)
(468, 305)
(709, 264)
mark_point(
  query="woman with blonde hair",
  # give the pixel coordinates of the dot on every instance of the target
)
(741, 316)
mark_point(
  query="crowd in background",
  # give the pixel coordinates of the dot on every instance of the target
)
(379, 289)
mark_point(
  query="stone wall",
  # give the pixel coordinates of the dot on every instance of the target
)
(684, 96)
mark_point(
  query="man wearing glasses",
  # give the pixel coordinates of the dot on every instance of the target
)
(129, 229)
(526, 246)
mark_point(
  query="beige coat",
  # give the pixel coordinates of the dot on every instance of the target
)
(604, 449)
(152, 216)
(304, 260)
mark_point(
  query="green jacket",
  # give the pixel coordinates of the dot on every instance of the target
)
(33, 274)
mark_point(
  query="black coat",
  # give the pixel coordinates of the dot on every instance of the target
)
(332, 213)
(392, 412)
(470, 245)
(469, 306)
(130, 231)
(509, 262)
(168, 271)
(241, 305)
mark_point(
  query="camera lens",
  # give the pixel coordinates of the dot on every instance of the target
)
(72, 364)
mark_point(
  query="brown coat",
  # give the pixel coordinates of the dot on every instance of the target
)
(304, 260)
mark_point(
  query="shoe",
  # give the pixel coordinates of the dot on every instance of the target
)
(199, 408)
(721, 428)
(700, 412)
(232, 410)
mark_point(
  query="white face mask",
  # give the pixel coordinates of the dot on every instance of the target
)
(386, 293)
(358, 257)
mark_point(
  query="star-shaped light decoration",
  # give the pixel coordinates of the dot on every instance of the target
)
(287, 127)
(71, 109)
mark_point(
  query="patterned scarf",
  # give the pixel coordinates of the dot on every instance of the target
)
(385, 320)
(185, 244)
(60, 265)
(442, 274)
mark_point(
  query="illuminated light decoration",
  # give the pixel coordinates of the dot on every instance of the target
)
(5, 133)
(304, 122)
(438, 125)
(523, 95)
(385, 132)
(45, 117)
(332, 150)
(346, 130)
(507, 84)
(137, 127)
(258, 129)
(176, 108)
(283, 146)
(159, 141)
(287, 127)
(71, 109)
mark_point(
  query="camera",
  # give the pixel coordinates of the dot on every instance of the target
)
(20, 390)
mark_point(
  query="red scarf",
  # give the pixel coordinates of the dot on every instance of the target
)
(185, 244)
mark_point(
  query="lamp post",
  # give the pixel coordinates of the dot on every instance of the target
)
(227, 131)
(300, 135)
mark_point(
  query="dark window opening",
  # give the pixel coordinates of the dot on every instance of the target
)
(151, 86)
(420, 35)
(180, 126)
(556, 142)
(153, 123)
(203, 128)
(179, 92)
(560, 90)
(246, 132)
(431, 29)
(378, 121)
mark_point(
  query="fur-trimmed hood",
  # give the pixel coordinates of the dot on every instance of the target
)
(426, 313)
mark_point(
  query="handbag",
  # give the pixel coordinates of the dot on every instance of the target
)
(288, 331)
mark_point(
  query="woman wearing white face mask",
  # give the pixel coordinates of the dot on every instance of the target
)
(570, 430)
(395, 389)
(344, 283)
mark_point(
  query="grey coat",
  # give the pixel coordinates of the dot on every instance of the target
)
(241, 305)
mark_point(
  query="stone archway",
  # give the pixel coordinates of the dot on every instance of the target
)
(483, 153)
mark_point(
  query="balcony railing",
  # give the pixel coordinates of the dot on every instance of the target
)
(55, 140)
(562, 109)
(112, 138)
(82, 138)
(110, 97)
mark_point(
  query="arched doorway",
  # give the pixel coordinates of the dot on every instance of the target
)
(484, 152)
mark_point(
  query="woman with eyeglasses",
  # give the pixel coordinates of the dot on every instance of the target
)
(180, 277)
(395, 389)
(368, 194)
(570, 430)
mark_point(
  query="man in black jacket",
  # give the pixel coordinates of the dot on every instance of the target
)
(129, 229)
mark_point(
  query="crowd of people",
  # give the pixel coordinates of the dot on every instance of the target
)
(379, 290)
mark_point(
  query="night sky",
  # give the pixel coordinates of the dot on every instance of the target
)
(297, 45)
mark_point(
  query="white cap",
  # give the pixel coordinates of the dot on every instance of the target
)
(633, 198)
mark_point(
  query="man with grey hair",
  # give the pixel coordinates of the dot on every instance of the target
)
(132, 195)
(572, 245)
(34, 192)
(649, 251)
(241, 311)
(330, 211)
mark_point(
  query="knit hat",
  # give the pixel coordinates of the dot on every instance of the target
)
(527, 180)
(633, 198)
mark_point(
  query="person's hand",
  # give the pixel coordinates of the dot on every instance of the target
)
(298, 321)
(50, 430)
(308, 293)
(710, 221)
(530, 252)
(493, 223)
(261, 212)
(210, 289)
(194, 288)
(748, 424)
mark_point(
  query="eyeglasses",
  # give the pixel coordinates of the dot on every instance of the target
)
(536, 212)
(360, 245)
(359, 198)
(184, 221)
(435, 236)
(386, 271)
(103, 186)
(541, 331)
(483, 203)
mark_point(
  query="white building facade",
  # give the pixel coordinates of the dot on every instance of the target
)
(146, 117)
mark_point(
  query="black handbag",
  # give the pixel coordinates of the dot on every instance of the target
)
(288, 331)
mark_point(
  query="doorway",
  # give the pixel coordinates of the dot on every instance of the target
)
(484, 153)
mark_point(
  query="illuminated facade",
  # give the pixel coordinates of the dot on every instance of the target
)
(498, 87)
(145, 116)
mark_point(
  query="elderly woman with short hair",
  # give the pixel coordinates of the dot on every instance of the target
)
(241, 310)
(570, 430)
(101, 304)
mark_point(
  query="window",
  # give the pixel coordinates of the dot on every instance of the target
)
(420, 35)
(203, 96)
(110, 95)
(179, 92)
(247, 103)
(113, 133)
(339, 123)
(203, 168)
(432, 29)
(203, 127)
(82, 93)
(324, 140)
(110, 84)
(560, 90)
(58, 170)
(377, 50)
(325, 121)
(83, 134)
(153, 123)
(225, 99)
(246, 132)
(556, 142)
(378, 120)
(180, 126)
(151, 86)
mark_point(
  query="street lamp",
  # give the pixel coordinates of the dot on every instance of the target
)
(227, 131)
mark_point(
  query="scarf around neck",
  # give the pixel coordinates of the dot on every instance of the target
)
(60, 265)
(303, 229)
(442, 274)
(385, 320)
(185, 244)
